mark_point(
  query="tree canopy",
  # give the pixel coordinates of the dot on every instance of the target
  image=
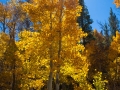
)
(41, 49)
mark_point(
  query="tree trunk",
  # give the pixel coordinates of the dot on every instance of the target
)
(57, 81)
(49, 86)
(50, 81)
(13, 76)
(59, 46)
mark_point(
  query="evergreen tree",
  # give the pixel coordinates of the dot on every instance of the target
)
(109, 29)
(85, 22)
(113, 23)
(105, 29)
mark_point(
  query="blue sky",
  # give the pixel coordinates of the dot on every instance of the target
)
(99, 11)
(3, 1)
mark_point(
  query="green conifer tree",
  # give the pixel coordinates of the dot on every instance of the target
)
(85, 22)
(113, 23)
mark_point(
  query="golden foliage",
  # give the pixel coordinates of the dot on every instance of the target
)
(117, 2)
(59, 35)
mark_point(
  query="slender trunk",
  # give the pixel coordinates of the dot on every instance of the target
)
(50, 81)
(12, 45)
(51, 70)
(13, 66)
(59, 58)
(59, 48)
(13, 76)
(51, 56)
(57, 80)
(58, 66)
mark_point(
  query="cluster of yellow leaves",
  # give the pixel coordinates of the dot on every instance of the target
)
(32, 49)
(4, 38)
(34, 61)
(114, 55)
(97, 52)
(117, 2)
(7, 61)
(4, 13)
(52, 18)
(95, 45)
(115, 46)
(56, 30)
(98, 82)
